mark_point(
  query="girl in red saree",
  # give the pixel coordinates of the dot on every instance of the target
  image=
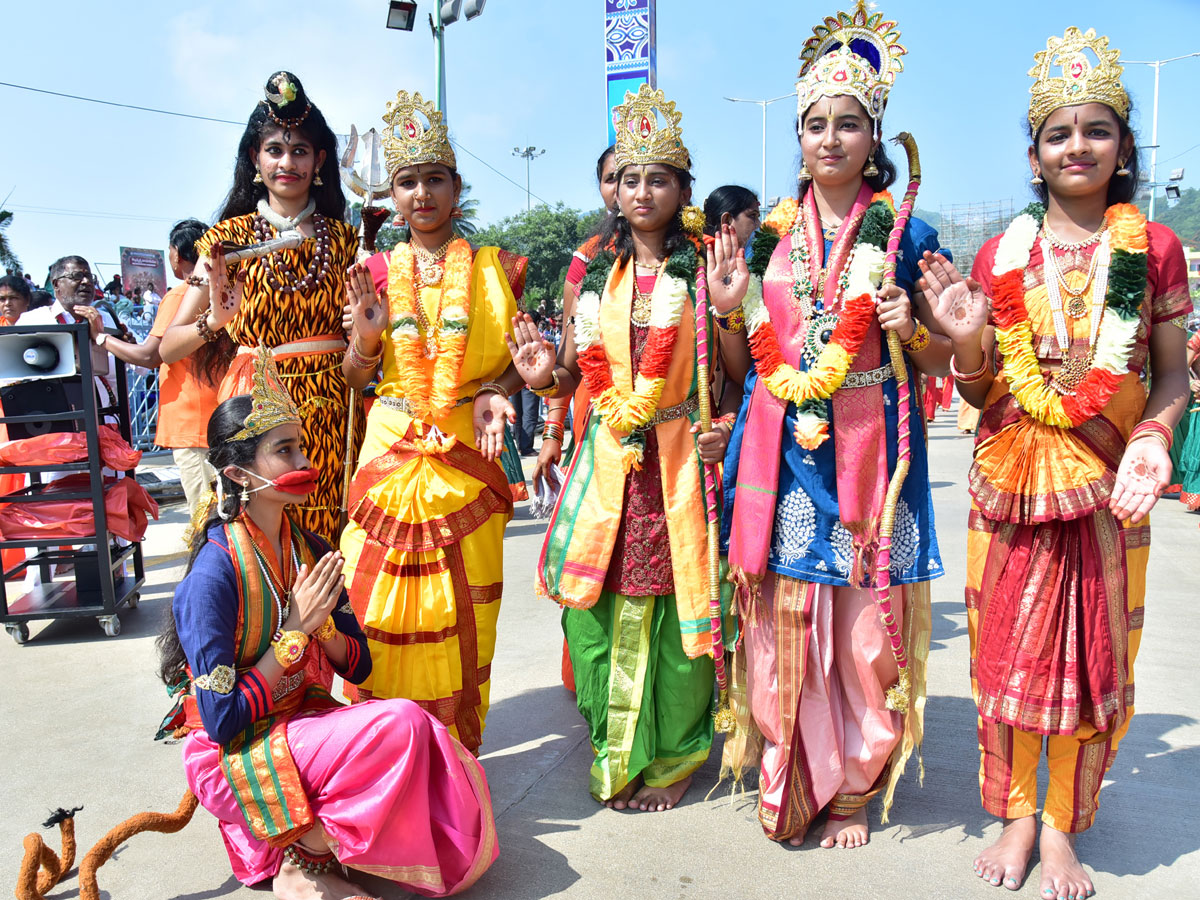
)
(1064, 316)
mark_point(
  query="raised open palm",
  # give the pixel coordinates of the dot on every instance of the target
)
(533, 355)
(958, 304)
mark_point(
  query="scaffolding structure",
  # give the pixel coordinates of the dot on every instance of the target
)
(965, 227)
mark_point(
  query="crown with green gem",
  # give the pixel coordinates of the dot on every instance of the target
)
(648, 131)
(851, 54)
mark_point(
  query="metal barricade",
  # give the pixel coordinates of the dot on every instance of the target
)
(143, 407)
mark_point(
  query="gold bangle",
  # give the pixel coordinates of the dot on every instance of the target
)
(549, 391)
(920, 339)
(734, 322)
(491, 387)
(327, 632)
(289, 647)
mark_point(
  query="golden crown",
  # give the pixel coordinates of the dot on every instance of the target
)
(851, 54)
(270, 403)
(1081, 80)
(415, 134)
(648, 131)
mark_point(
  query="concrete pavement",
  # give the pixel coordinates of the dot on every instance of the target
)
(79, 710)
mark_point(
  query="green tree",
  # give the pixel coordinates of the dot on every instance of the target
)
(7, 257)
(1183, 218)
(547, 236)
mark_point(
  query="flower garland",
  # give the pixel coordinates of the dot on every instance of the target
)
(858, 284)
(1116, 335)
(622, 410)
(430, 388)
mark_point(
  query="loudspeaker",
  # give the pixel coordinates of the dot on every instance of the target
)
(26, 356)
(42, 396)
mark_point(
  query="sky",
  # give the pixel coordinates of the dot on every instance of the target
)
(88, 179)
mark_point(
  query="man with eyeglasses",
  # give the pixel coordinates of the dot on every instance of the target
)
(74, 292)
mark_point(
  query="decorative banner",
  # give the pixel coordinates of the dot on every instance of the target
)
(630, 51)
(143, 268)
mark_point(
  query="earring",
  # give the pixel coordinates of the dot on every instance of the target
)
(456, 213)
(317, 182)
(1123, 172)
(398, 221)
(258, 176)
(620, 214)
(805, 175)
(1037, 179)
(245, 495)
(871, 169)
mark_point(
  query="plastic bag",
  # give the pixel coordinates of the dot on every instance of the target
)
(67, 447)
(125, 501)
(546, 492)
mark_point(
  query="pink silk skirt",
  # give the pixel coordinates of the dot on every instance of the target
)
(818, 664)
(396, 795)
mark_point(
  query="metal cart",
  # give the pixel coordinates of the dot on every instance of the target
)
(93, 568)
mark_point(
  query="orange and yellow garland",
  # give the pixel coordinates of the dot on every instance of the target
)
(857, 311)
(1114, 340)
(628, 411)
(430, 385)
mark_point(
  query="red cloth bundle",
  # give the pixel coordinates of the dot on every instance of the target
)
(126, 502)
(67, 447)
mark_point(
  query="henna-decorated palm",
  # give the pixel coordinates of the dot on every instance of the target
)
(368, 310)
(728, 275)
(490, 413)
(224, 299)
(1142, 477)
(958, 305)
(533, 356)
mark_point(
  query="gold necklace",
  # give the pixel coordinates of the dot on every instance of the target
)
(429, 263)
(430, 331)
(641, 300)
(1059, 244)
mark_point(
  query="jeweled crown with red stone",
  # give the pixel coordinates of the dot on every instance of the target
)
(832, 63)
(648, 131)
(415, 134)
(1081, 80)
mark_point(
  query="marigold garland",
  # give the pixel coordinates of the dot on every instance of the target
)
(857, 311)
(1116, 336)
(430, 386)
(621, 410)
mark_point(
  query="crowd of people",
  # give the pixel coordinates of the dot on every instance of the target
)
(745, 533)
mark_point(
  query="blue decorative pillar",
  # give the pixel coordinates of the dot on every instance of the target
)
(630, 51)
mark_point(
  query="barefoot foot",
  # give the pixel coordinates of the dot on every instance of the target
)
(620, 800)
(846, 833)
(1005, 861)
(1063, 875)
(293, 883)
(650, 799)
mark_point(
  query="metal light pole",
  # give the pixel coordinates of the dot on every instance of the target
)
(1157, 64)
(528, 154)
(762, 198)
(403, 13)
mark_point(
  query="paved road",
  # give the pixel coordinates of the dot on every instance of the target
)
(78, 710)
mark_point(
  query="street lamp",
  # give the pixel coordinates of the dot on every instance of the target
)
(1157, 64)
(403, 13)
(528, 154)
(762, 198)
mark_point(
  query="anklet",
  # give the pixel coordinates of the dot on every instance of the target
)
(307, 861)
